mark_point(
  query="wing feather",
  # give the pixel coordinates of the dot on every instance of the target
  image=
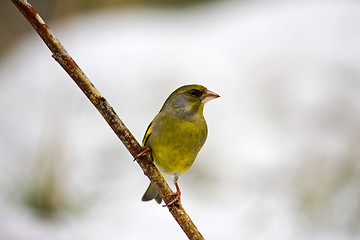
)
(147, 135)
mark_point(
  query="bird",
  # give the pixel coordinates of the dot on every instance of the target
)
(176, 135)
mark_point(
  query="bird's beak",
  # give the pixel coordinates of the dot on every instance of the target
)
(208, 95)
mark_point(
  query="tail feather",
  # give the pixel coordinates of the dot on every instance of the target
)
(150, 194)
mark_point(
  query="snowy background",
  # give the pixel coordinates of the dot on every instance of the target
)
(282, 159)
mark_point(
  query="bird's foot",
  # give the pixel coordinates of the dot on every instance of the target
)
(144, 151)
(176, 200)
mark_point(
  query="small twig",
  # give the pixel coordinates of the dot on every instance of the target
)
(69, 65)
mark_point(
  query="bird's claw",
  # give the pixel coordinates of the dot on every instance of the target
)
(145, 150)
(176, 199)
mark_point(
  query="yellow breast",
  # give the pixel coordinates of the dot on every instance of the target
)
(175, 143)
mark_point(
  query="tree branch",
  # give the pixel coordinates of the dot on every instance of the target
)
(68, 64)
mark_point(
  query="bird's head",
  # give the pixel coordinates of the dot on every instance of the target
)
(188, 101)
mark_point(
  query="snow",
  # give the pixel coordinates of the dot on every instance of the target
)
(281, 160)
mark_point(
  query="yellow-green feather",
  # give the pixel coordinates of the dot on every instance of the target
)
(147, 134)
(175, 142)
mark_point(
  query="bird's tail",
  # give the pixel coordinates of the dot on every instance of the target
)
(150, 194)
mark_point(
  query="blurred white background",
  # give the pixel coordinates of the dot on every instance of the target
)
(282, 159)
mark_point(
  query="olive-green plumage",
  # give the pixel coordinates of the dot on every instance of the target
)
(177, 133)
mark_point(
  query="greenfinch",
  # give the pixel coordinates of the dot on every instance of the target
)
(176, 135)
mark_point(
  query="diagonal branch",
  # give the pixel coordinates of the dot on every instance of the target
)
(68, 64)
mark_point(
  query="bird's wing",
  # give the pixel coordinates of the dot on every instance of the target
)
(147, 134)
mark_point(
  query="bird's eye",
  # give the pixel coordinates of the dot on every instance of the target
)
(195, 92)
